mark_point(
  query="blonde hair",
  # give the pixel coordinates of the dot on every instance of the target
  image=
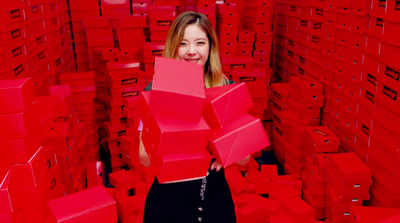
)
(213, 75)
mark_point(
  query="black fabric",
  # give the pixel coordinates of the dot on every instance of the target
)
(182, 202)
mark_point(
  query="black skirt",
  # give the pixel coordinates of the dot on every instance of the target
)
(206, 200)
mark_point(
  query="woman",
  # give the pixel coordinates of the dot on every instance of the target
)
(193, 39)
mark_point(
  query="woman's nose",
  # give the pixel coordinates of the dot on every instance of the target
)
(191, 50)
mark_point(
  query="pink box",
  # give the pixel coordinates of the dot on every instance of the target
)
(89, 205)
(16, 95)
(175, 138)
(224, 104)
(240, 131)
(18, 125)
(178, 90)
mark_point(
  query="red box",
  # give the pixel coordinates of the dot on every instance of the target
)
(333, 202)
(16, 95)
(177, 167)
(347, 193)
(18, 125)
(96, 201)
(237, 131)
(12, 34)
(140, 8)
(170, 98)
(321, 139)
(350, 170)
(224, 104)
(374, 214)
(256, 80)
(305, 87)
(152, 50)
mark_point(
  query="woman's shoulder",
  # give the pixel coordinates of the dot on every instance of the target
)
(148, 87)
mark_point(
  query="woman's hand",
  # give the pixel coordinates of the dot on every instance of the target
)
(216, 165)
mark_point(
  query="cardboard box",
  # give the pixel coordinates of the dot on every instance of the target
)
(177, 167)
(320, 139)
(16, 95)
(224, 104)
(18, 125)
(166, 138)
(350, 170)
(228, 144)
(360, 192)
(90, 205)
(178, 90)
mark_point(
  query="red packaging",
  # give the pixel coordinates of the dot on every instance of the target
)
(18, 125)
(374, 214)
(75, 207)
(350, 170)
(186, 90)
(229, 63)
(177, 167)
(5, 204)
(347, 193)
(298, 210)
(320, 139)
(21, 150)
(238, 131)
(226, 103)
(16, 95)
(95, 174)
(123, 180)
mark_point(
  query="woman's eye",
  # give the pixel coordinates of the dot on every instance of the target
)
(201, 43)
(183, 44)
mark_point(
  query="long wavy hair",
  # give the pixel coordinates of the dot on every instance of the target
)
(213, 75)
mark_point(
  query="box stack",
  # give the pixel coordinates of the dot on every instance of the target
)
(150, 52)
(140, 7)
(257, 81)
(130, 195)
(13, 42)
(115, 9)
(125, 84)
(304, 106)
(348, 180)
(374, 214)
(161, 18)
(58, 34)
(258, 18)
(319, 142)
(98, 34)
(83, 93)
(126, 28)
(30, 172)
(382, 150)
(208, 8)
(90, 205)
(227, 28)
(78, 11)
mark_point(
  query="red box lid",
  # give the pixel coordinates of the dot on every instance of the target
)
(226, 103)
(89, 205)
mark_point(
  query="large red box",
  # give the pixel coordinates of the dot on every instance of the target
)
(238, 131)
(224, 104)
(346, 193)
(16, 95)
(320, 139)
(77, 206)
(18, 125)
(169, 96)
(350, 170)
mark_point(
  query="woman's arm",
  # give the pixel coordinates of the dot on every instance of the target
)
(143, 157)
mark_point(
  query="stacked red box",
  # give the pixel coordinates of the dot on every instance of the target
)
(150, 52)
(314, 181)
(76, 207)
(115, 9)
(125, 28)
(375, 214)
(95, 174)
(83, 92)
(140, 7)
(158, 135)
(129, 195)
(98, 34)
(348, 183)
(257, 81)
(160, 19)
(208, 9)
(227, 27)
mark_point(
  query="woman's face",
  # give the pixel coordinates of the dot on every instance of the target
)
(195, 46)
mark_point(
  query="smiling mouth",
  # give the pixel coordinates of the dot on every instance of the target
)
(192, 60)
